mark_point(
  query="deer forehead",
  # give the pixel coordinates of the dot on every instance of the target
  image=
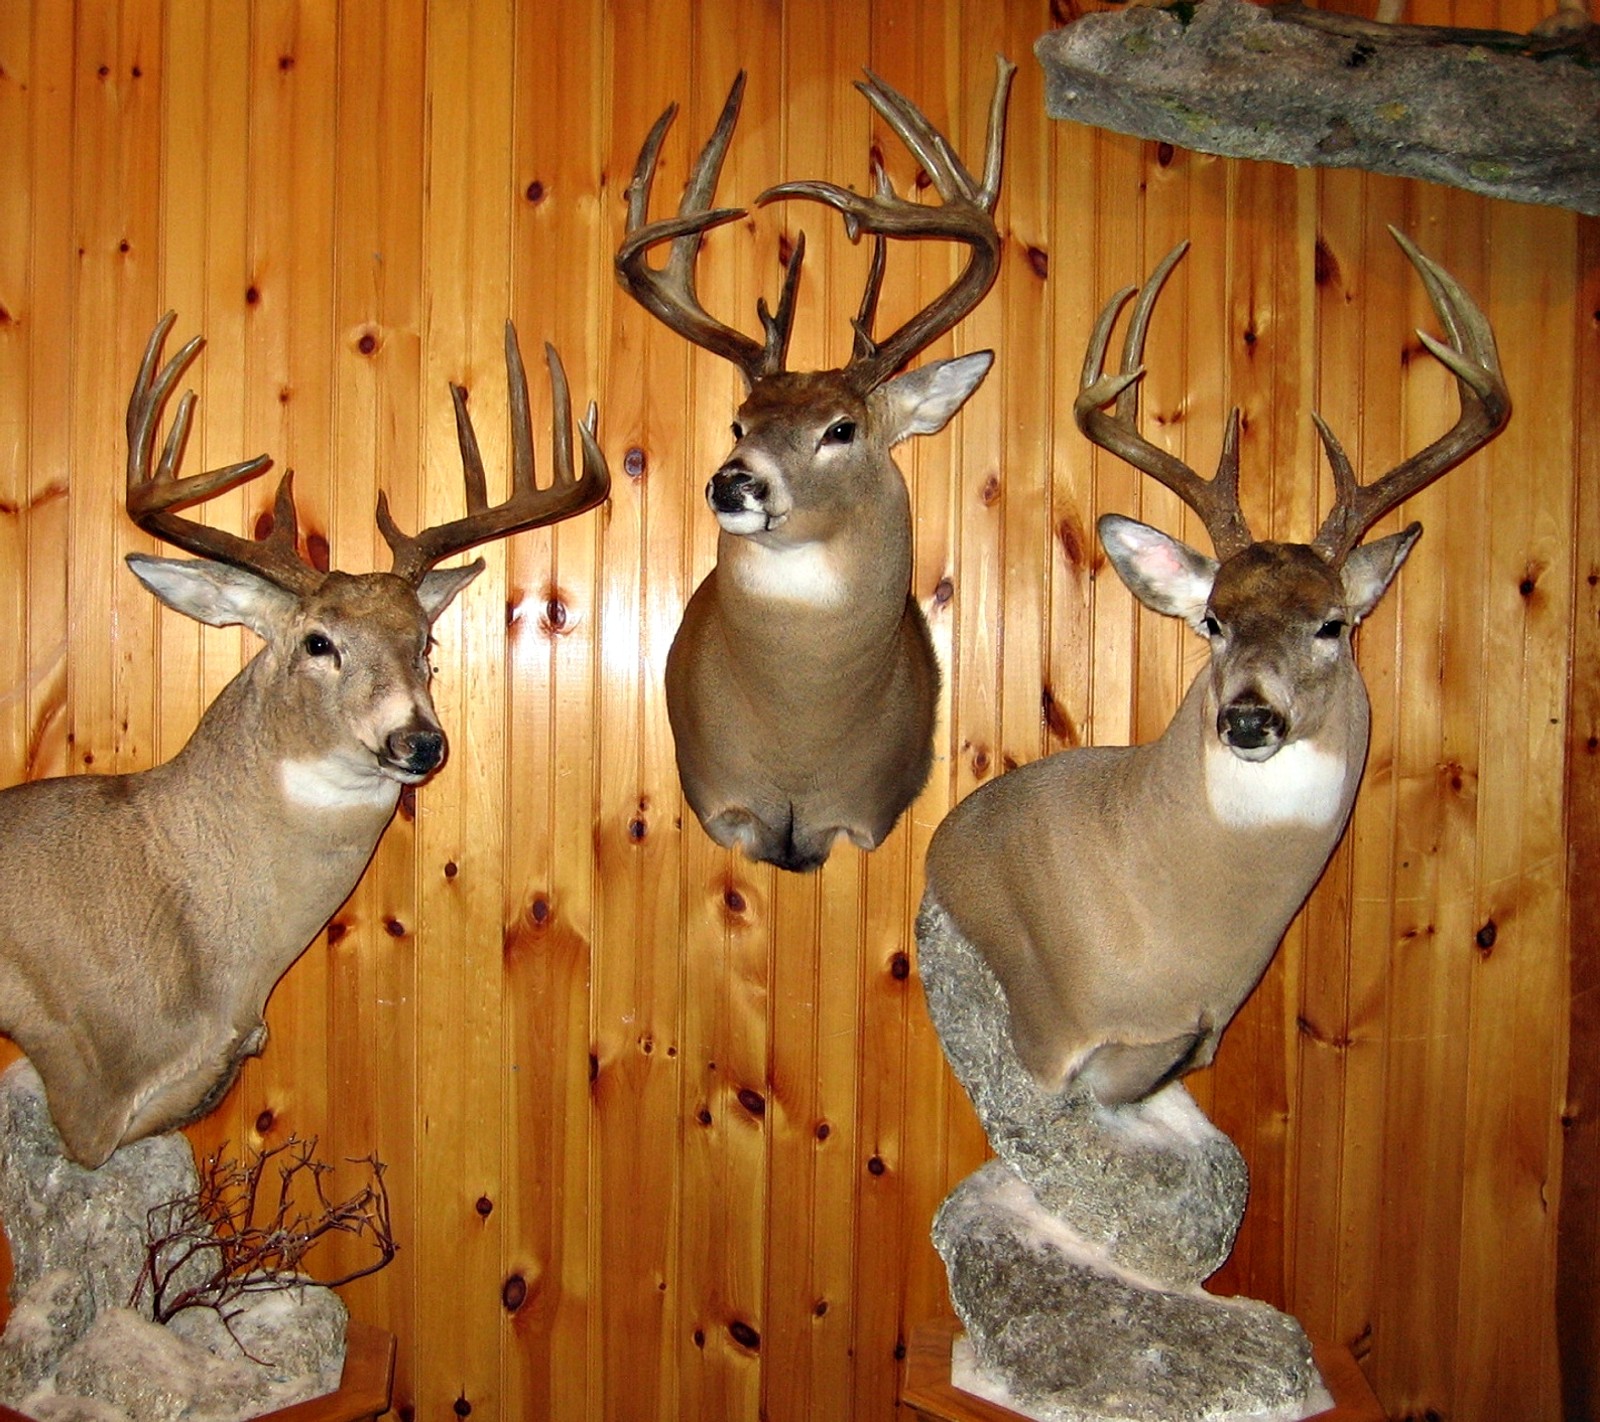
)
(1271, 585)
(800, 401)
(377, 608)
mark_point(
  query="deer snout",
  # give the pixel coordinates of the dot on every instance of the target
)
(734, 489)
(1250, 728)
(415, 752)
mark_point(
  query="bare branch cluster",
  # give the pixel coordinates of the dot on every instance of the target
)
(241, 1231)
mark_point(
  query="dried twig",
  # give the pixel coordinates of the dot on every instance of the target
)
(252, 1238)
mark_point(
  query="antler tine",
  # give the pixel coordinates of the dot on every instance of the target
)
(669, 293)
(1216, 500)
(527, 506)
(1485, 407)
(966, 215)
(153, 498)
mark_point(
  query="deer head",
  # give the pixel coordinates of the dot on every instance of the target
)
(1129, 898)
(138, 1001)
(801, 685)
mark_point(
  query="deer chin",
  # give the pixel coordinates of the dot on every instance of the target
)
(1253, 754)
(744, 522)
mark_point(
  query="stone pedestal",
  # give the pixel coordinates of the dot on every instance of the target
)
(1076, 1258)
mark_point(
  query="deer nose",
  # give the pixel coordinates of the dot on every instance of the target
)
(419, 751)
(1250, 725)
(733, 488)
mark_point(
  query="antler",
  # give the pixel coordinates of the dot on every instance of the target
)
(526, 506)
(669, 293)
(966, 215)
(1216, 500)
(153, 499)
(1485, 407)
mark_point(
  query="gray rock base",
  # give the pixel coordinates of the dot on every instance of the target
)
(1070, 1338)
(73, 1351)
(1075, 1259)
(1230, 77)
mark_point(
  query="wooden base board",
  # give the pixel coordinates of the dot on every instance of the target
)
(930, 1396)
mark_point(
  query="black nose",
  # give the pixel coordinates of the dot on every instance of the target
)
(1250, 725)
(418, 752)
(733, 488)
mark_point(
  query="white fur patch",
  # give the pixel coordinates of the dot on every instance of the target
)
(1301, 785)
(804, 574)
(336, 783)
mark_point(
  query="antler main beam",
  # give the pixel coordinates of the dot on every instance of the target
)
(668, 293)
(965, 215)
(527, 506)
(1485, 407)
(154, 498)
(1216, 500)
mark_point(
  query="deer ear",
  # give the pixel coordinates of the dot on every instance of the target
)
(218, 594)
(438, 588)
(1165, 575)
(1369, 568)
(921, 401)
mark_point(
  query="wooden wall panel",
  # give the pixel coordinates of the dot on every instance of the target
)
(665, 1130)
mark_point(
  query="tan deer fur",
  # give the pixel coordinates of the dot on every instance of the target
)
(1128, 898)
(145, 917)
(802, 683)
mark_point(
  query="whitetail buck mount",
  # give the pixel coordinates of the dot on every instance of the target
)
(802, 683)
(144, 918)
(1129, 898)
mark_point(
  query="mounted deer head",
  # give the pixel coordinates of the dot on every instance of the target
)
(802, 683)
(145, 918)
(1128, 898)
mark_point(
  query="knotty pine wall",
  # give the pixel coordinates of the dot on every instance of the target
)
(665, 1130)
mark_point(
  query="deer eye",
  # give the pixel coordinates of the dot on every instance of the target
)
(1212, 626)
(841, 433)
(1331, 628)
(319, 644)
(738, 430)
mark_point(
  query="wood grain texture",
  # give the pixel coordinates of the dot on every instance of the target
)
(665, 1130)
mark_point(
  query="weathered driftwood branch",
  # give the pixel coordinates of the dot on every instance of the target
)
(1512, 116)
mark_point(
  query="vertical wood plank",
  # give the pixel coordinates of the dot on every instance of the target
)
(373, 985)
(639, 1052)
(462, 813)
(561, 235)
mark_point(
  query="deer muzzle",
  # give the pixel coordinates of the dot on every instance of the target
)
(744, 501)
(1251, 728)
(414, 753)
(734, 489)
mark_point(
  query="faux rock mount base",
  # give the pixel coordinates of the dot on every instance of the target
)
(74, 1349)
(1076, 1258)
